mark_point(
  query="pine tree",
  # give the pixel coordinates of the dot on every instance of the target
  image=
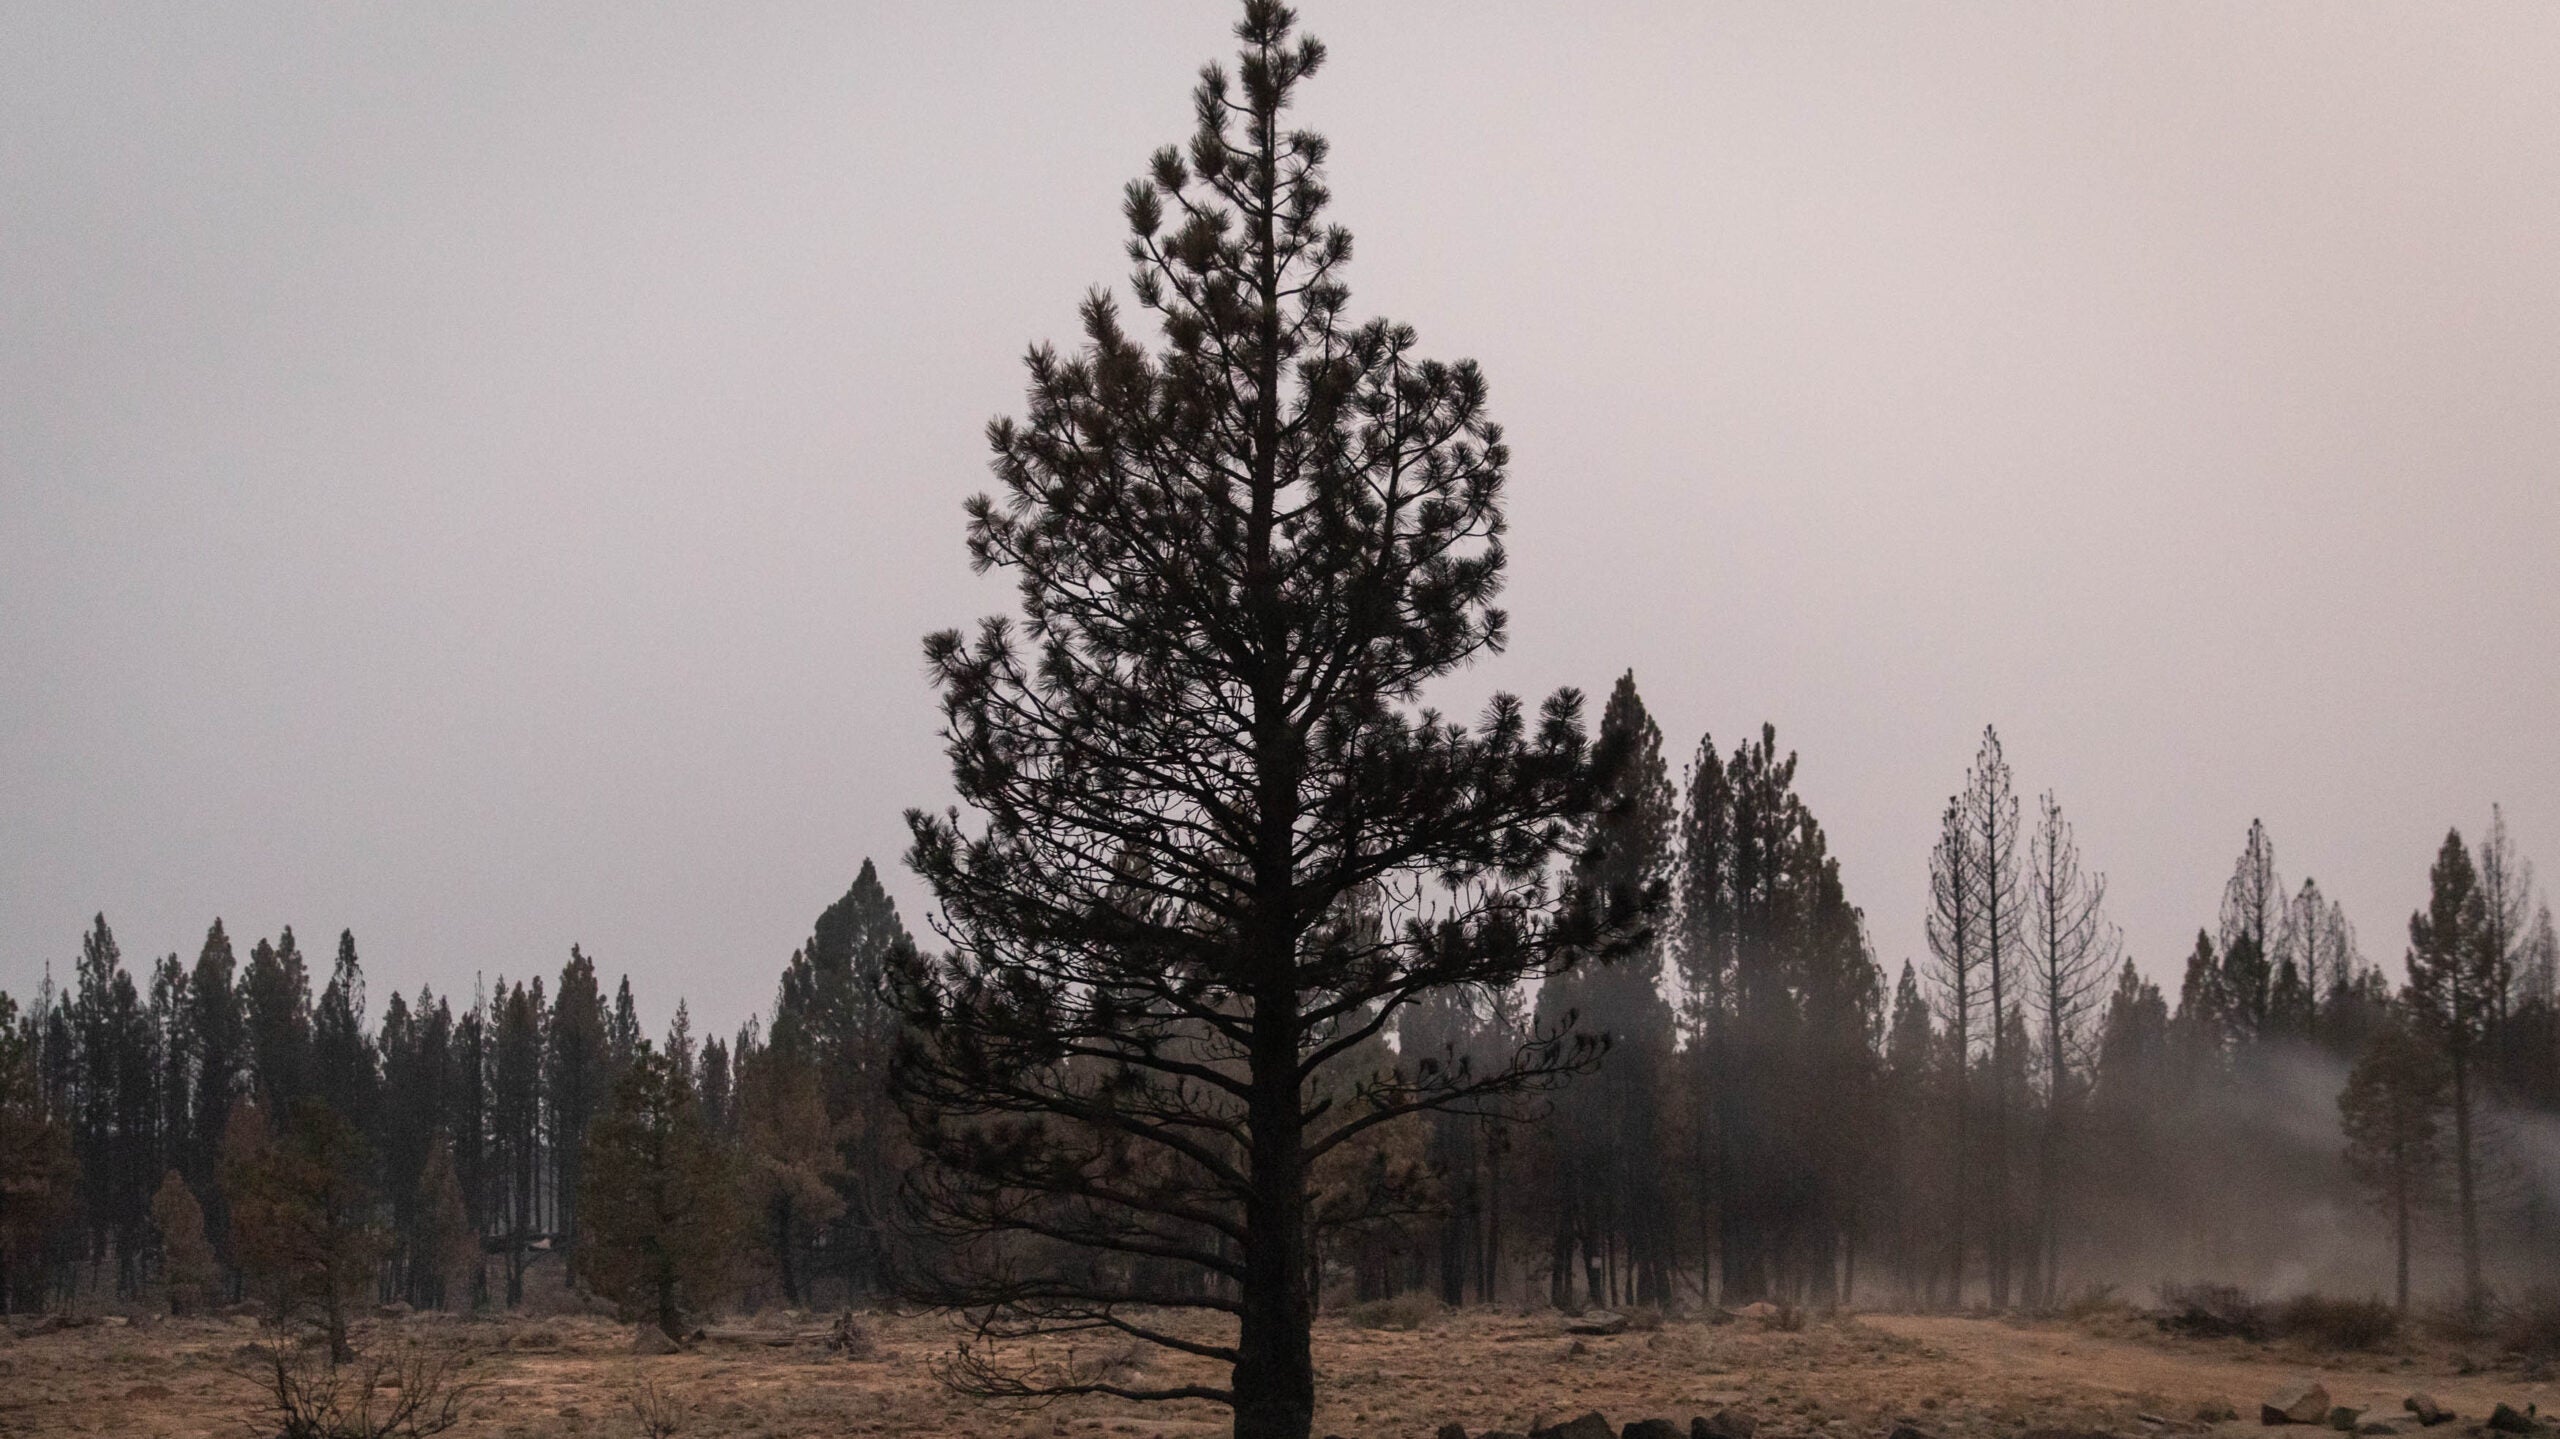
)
(344, 1071)
(577, 1070)
(275, 1003)
(2389, 1110)
(2252, 901)
(658, 1206)
(445, 1248)
(39, 1175)
(302, 1210)
(831, 1010)
(221, 1064)
(515, 1123)
(188, 1268)
(2452, 990)
(791, 1158)
(1607, 1128)
(1242, 556)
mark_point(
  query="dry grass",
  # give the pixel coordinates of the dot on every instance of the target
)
(1835, 1377)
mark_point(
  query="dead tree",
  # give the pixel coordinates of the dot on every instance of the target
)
(2072, 950)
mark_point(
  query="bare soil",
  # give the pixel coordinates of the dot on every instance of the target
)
(1833, 1378)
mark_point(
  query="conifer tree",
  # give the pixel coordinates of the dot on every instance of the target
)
(576, 1072)
(1608, 1127)
(791, 1157)
(2252, 902)
(344, 1068)
(275, 1004)
(221, 1063)
(2390, 1110)
(444, 1247)
(302, 1214)
(658, 1207)
(2452, 990)
(188, 1269)
(1242, 555)
(38, 1171)
(515, 1122)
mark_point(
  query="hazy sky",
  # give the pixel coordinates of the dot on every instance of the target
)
(478, 475)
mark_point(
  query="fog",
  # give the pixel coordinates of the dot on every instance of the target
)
(479, 478)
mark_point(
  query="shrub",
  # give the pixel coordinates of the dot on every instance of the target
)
(2211, 1311)
(404, 1391)
(2337, 1323)
(1645, 1318)
(1409, 1310)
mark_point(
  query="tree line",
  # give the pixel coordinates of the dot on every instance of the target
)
(218, 1133)
(1761, 1115)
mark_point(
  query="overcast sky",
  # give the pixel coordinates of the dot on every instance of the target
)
(479, 475)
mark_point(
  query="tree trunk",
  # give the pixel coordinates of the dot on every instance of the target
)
(2474, 1295)
(1275, 1380)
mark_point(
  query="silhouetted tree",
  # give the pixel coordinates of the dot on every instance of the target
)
(2452, 990)
(1241, 558)
(38, 1171)
(2071, 949)
(2389, 1109)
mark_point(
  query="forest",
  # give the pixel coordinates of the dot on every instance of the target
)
(1255, 987)
(2015, 1118)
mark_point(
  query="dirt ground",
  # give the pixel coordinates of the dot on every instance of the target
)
(1835, 1378)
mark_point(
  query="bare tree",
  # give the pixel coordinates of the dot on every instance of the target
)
(2252, 902)
(2072, 949)
(1988, 812)
(1955, 950)
(2316, 939)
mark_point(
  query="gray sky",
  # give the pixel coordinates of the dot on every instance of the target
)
(479, 475)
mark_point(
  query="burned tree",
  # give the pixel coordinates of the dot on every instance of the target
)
(1222, 847)
(2071, 953)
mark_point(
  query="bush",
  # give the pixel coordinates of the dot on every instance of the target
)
(404, 1391)
(1644, 1318)
(1409, 1310)
(2338, 1323)
(2211, 1311)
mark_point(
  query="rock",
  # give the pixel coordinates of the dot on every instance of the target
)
(1502, 1434)
(1598, 1321)
(2377, 1426)
(2156, 1421)
(1452, 1430)
(2429, 1412)
(2506, 1420)
(1725, 1424)
(1908, 1430)
(653, 1340)
(2301, 1402)
(2344, 1419)
(1590, 1426)
(2216, 1410)
(1650, 1429)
